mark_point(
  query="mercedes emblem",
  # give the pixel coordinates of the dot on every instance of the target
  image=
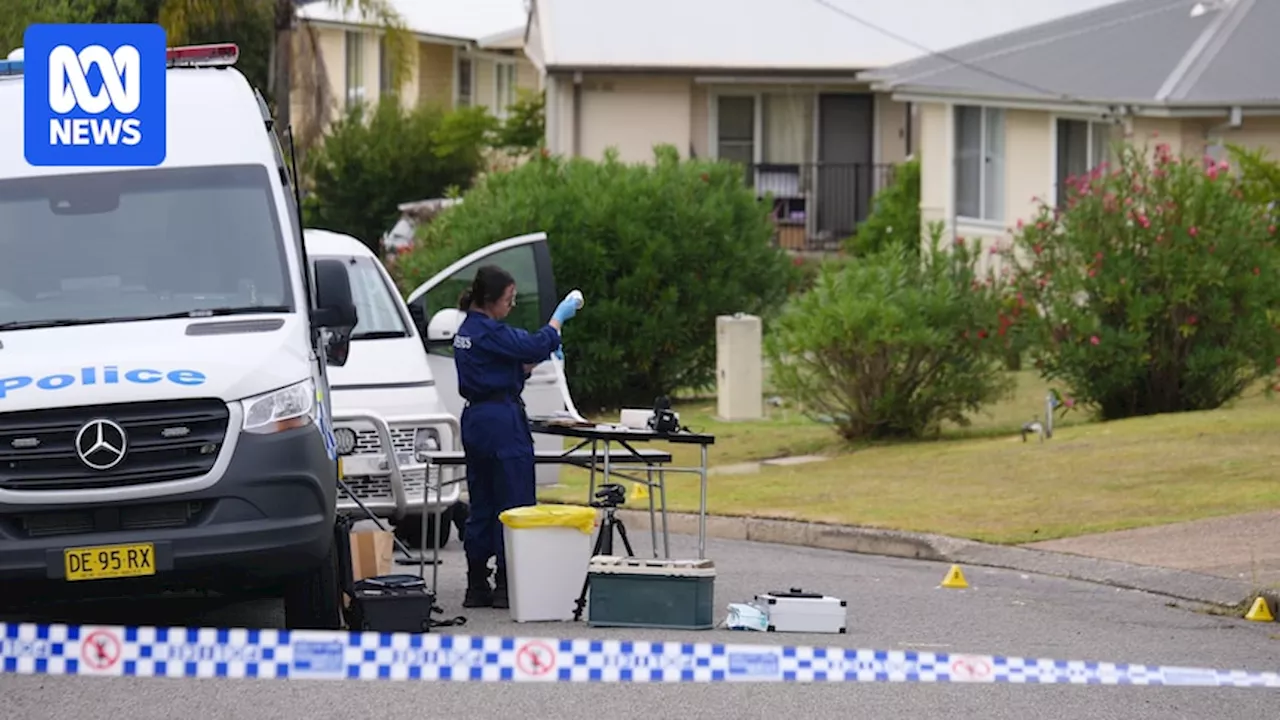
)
(101, 444)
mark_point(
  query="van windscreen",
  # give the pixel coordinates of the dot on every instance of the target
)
(140, 244)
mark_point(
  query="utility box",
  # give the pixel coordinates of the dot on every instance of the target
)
(739, 368)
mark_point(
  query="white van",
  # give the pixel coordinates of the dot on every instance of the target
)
(164, 343)
(385, 396)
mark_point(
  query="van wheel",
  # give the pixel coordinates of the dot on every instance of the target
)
(314, 601)
(409, 530)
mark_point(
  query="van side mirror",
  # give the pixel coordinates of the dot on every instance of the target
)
(335, 309)
(444, 325)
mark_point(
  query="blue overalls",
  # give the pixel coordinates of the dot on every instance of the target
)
(490, 356)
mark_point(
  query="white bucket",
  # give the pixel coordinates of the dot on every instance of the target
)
(546, 567)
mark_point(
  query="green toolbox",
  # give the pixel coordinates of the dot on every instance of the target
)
(644, 592)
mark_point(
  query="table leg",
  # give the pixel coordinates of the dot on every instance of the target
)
(591, 486)
(702, 507)
(653, 518)
(608, 450)
(662, 489)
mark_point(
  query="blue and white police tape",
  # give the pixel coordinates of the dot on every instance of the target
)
(29, 649)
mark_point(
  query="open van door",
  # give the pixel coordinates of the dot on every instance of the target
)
(434, 304)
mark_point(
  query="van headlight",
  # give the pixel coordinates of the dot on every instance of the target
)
(279, 410)
(425, 440)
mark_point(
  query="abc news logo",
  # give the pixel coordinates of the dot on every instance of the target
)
(120, 90)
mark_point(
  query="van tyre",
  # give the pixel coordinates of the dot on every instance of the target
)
(409, 530)
(314, 601)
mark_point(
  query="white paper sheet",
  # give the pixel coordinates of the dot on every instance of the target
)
(564, 390)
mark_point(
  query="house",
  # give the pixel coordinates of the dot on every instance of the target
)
(1007, 119)
(466, 53)
(768, 83)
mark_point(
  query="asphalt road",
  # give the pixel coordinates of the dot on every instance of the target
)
(893, 604)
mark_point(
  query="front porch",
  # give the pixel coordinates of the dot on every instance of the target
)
(821, 150)
(816, 206)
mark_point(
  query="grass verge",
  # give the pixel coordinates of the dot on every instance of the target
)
(982, 482)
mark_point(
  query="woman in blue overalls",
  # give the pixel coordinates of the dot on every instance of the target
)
(493, 360)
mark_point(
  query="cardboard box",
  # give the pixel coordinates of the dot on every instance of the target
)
(372, 554)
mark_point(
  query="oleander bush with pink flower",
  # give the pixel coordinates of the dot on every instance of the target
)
(1155, 289)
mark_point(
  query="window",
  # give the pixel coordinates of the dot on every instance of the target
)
(1082, 146)
(519, 261)
(376, 306)
(140, 244)
(385, 71)
(736, 128)
(979, 169)
(355, 68)
(504, 87)
(908, 128)
(465, 81)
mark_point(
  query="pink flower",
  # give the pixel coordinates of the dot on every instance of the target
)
(1192, 231)
(1093, 340)
(1271, 230)
(1069, 401)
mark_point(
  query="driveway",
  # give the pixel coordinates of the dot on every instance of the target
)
(893, 604)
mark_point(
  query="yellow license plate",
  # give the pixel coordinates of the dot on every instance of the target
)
(110, 561)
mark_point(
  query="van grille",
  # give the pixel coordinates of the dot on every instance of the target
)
(168, 440)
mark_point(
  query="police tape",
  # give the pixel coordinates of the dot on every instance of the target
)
(29, 649)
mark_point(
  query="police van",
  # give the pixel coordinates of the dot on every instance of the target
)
(164, 337)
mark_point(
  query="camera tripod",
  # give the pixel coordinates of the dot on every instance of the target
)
(609, 497)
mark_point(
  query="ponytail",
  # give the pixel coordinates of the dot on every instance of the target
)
(489, 284)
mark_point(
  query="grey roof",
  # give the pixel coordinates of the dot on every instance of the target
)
(1131, 52)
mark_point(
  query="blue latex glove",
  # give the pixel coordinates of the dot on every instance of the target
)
(559, 353)
(567, 308)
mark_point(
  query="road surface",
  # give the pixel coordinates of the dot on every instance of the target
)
(893, 604)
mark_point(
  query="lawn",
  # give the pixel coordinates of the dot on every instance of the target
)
(983, 482)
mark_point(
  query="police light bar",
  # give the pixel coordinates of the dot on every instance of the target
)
(10, 67)
(220, 55)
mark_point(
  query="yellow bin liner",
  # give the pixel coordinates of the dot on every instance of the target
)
(536, 516)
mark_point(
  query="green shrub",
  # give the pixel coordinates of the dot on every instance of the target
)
(376, 158)
(525, 127)
(895, 215)
(659, 251)
(892, 345)
(1155, 286)
(1259, 178)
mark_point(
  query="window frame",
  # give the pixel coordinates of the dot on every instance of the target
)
(986, 116)
(504, 87)
(1090, 121)
(463, 99)
(355, 89)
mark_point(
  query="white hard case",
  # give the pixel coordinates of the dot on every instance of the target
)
(798, 611)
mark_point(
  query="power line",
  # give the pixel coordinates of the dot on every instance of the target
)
(978, 68)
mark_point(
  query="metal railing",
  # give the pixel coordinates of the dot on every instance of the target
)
(379, 478)
(816, 206)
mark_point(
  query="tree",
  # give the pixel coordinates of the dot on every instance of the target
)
(183, 19)
(659, 249)
(893, 344)
(18, 14)
(376, 157)
(1154, 286)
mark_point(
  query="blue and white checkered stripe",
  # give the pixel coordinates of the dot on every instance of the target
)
(239, 653)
